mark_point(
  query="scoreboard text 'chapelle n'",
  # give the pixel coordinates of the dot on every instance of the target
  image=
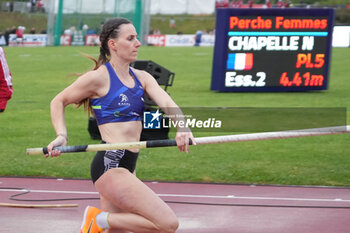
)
(272, 49)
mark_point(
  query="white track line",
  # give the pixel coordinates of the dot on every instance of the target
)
(338, 200)
(257, 198)
(47, 191)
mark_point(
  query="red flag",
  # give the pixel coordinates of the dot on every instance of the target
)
(6, 89)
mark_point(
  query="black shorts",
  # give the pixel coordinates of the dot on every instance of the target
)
(105, 160)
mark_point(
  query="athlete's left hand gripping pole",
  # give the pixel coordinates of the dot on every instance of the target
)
(101, 147)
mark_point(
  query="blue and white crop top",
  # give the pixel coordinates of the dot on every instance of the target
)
(121, 102)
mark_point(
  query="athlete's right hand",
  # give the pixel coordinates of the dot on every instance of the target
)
(59, 141)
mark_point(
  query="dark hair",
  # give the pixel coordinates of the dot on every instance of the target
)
(110, 30)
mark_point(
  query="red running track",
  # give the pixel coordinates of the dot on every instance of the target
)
(201, 208)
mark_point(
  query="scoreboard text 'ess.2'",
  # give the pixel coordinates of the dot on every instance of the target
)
(272, 49)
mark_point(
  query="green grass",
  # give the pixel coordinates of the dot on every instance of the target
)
(8, 20)
(187, 24)
(40, 73)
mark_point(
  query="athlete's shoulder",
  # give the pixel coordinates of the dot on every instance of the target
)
(96, 74)
(142, 75)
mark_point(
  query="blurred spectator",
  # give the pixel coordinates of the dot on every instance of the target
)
(29, 6)
(287, 4)
(6, 89)
(221, 3)
(250, 3)
(237, 4)
(32, 31)
(32, 6)
(198, 38)
(283, 4)
(156, 32)
(267, 4)
(69, 31)
(13, 30)
(280, 4)
(19, 34)
(73, 30)
(9, 5)
(172, 23)
(85, 29)
(7, 35)
(40, 6)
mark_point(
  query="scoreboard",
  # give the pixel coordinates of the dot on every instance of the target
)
(272, 49)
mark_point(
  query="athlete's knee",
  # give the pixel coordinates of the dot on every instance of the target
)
(115, 177)
(173, 226)
(169, 225)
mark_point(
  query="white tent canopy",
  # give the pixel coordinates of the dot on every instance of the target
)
(163, 7)
(172, 7)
